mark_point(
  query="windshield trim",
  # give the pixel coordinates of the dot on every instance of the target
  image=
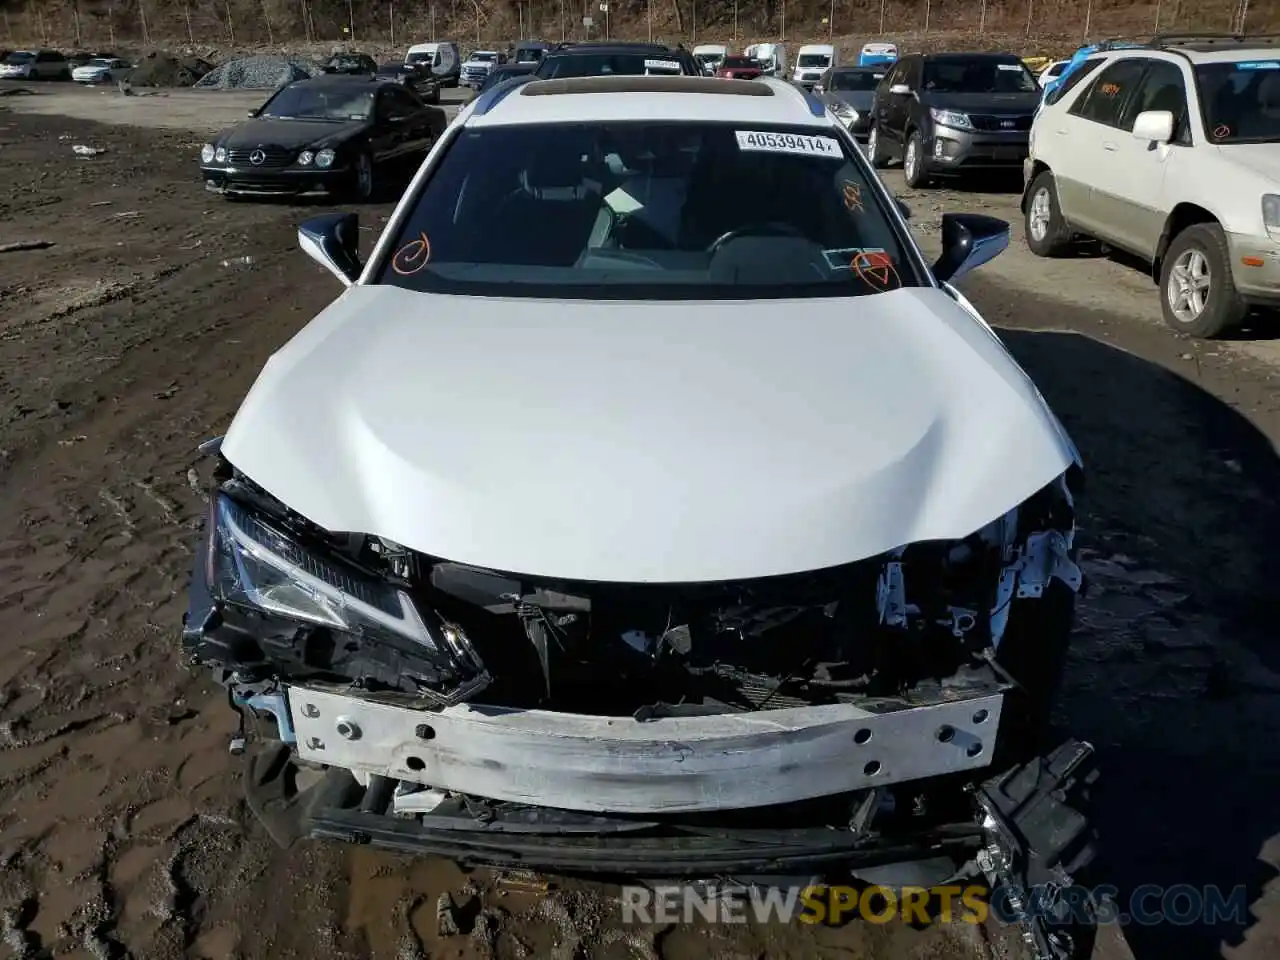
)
(878, 191)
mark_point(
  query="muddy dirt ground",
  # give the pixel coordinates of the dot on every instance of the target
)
(134, 337)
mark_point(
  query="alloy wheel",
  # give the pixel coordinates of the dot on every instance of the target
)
(1189, 285)
(1039, 215)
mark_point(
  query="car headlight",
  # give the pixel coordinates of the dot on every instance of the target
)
(253, 564)
(325, 158)
(305, 158)
(220, 155)
(1271, 212)
(950, 118)
(206, 153)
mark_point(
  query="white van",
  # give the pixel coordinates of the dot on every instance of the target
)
(709, 56)
(772, 58)
(444, 59)
(812, 61)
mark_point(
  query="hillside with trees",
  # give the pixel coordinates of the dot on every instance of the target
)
(1028, 24)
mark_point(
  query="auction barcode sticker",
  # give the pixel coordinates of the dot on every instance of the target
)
(789, 143)
(661, 65)
(1010, 67)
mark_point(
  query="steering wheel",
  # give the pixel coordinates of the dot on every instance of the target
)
(771, 228)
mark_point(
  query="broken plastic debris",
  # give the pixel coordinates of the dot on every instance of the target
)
(82, 151)
(238, 262)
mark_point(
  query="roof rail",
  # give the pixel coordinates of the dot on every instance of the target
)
(490, 98)
(1177, 39)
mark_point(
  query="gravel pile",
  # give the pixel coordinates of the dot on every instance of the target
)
(257, 73)
(165, 70)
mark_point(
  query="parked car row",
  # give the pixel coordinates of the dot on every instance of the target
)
(813, 60)
(53, 65)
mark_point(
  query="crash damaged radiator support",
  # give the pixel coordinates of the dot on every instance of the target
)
(836, 720)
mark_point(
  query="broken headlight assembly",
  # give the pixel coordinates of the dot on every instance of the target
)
(275, 597)
(256, 565)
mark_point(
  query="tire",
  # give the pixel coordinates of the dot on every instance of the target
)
(914, 171)
(1047, 233)
(364, 186)
(1198, 295)
(875, 149)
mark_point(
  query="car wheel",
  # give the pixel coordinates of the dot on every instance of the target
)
(913, 168)
(1198, 294)
(365, 185)
(875, 151)
(1047, 232)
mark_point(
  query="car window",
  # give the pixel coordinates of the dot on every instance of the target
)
(977, 75)
(1073, 80)
(1162, 88)
(345, 102)
(1240, 101)
(648, 210)
(397, 102)
(1105, 99)
(895, 74)
(19, 57)
(854, 80)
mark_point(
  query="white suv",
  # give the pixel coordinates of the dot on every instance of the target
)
(1170, 151)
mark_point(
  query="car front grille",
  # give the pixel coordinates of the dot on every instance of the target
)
(271, 157)
(1006, 124)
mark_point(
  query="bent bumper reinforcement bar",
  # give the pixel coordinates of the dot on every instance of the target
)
(623, 766)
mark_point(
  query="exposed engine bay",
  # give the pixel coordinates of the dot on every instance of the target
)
(290, 602)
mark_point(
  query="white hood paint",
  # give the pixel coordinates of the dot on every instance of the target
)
(1260, 158)
(647, 441)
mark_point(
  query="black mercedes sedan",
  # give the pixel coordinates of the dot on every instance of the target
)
(332, 134)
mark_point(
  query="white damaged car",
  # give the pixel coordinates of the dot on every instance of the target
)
(648, 506)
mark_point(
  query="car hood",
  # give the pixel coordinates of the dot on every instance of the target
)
(857, 99)
(983, 102)
(647, 442)
(291, 134)
(1259, 158)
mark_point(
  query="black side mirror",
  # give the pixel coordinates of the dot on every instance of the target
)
(253, 113)
(333, 241)
(968, 241)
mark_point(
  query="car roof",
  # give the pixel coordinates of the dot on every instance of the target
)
(343, 80)
(746, 103)
(612, 47)
(975, 55)
(860, 68)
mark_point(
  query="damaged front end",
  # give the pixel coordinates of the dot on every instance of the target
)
(866, 719)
